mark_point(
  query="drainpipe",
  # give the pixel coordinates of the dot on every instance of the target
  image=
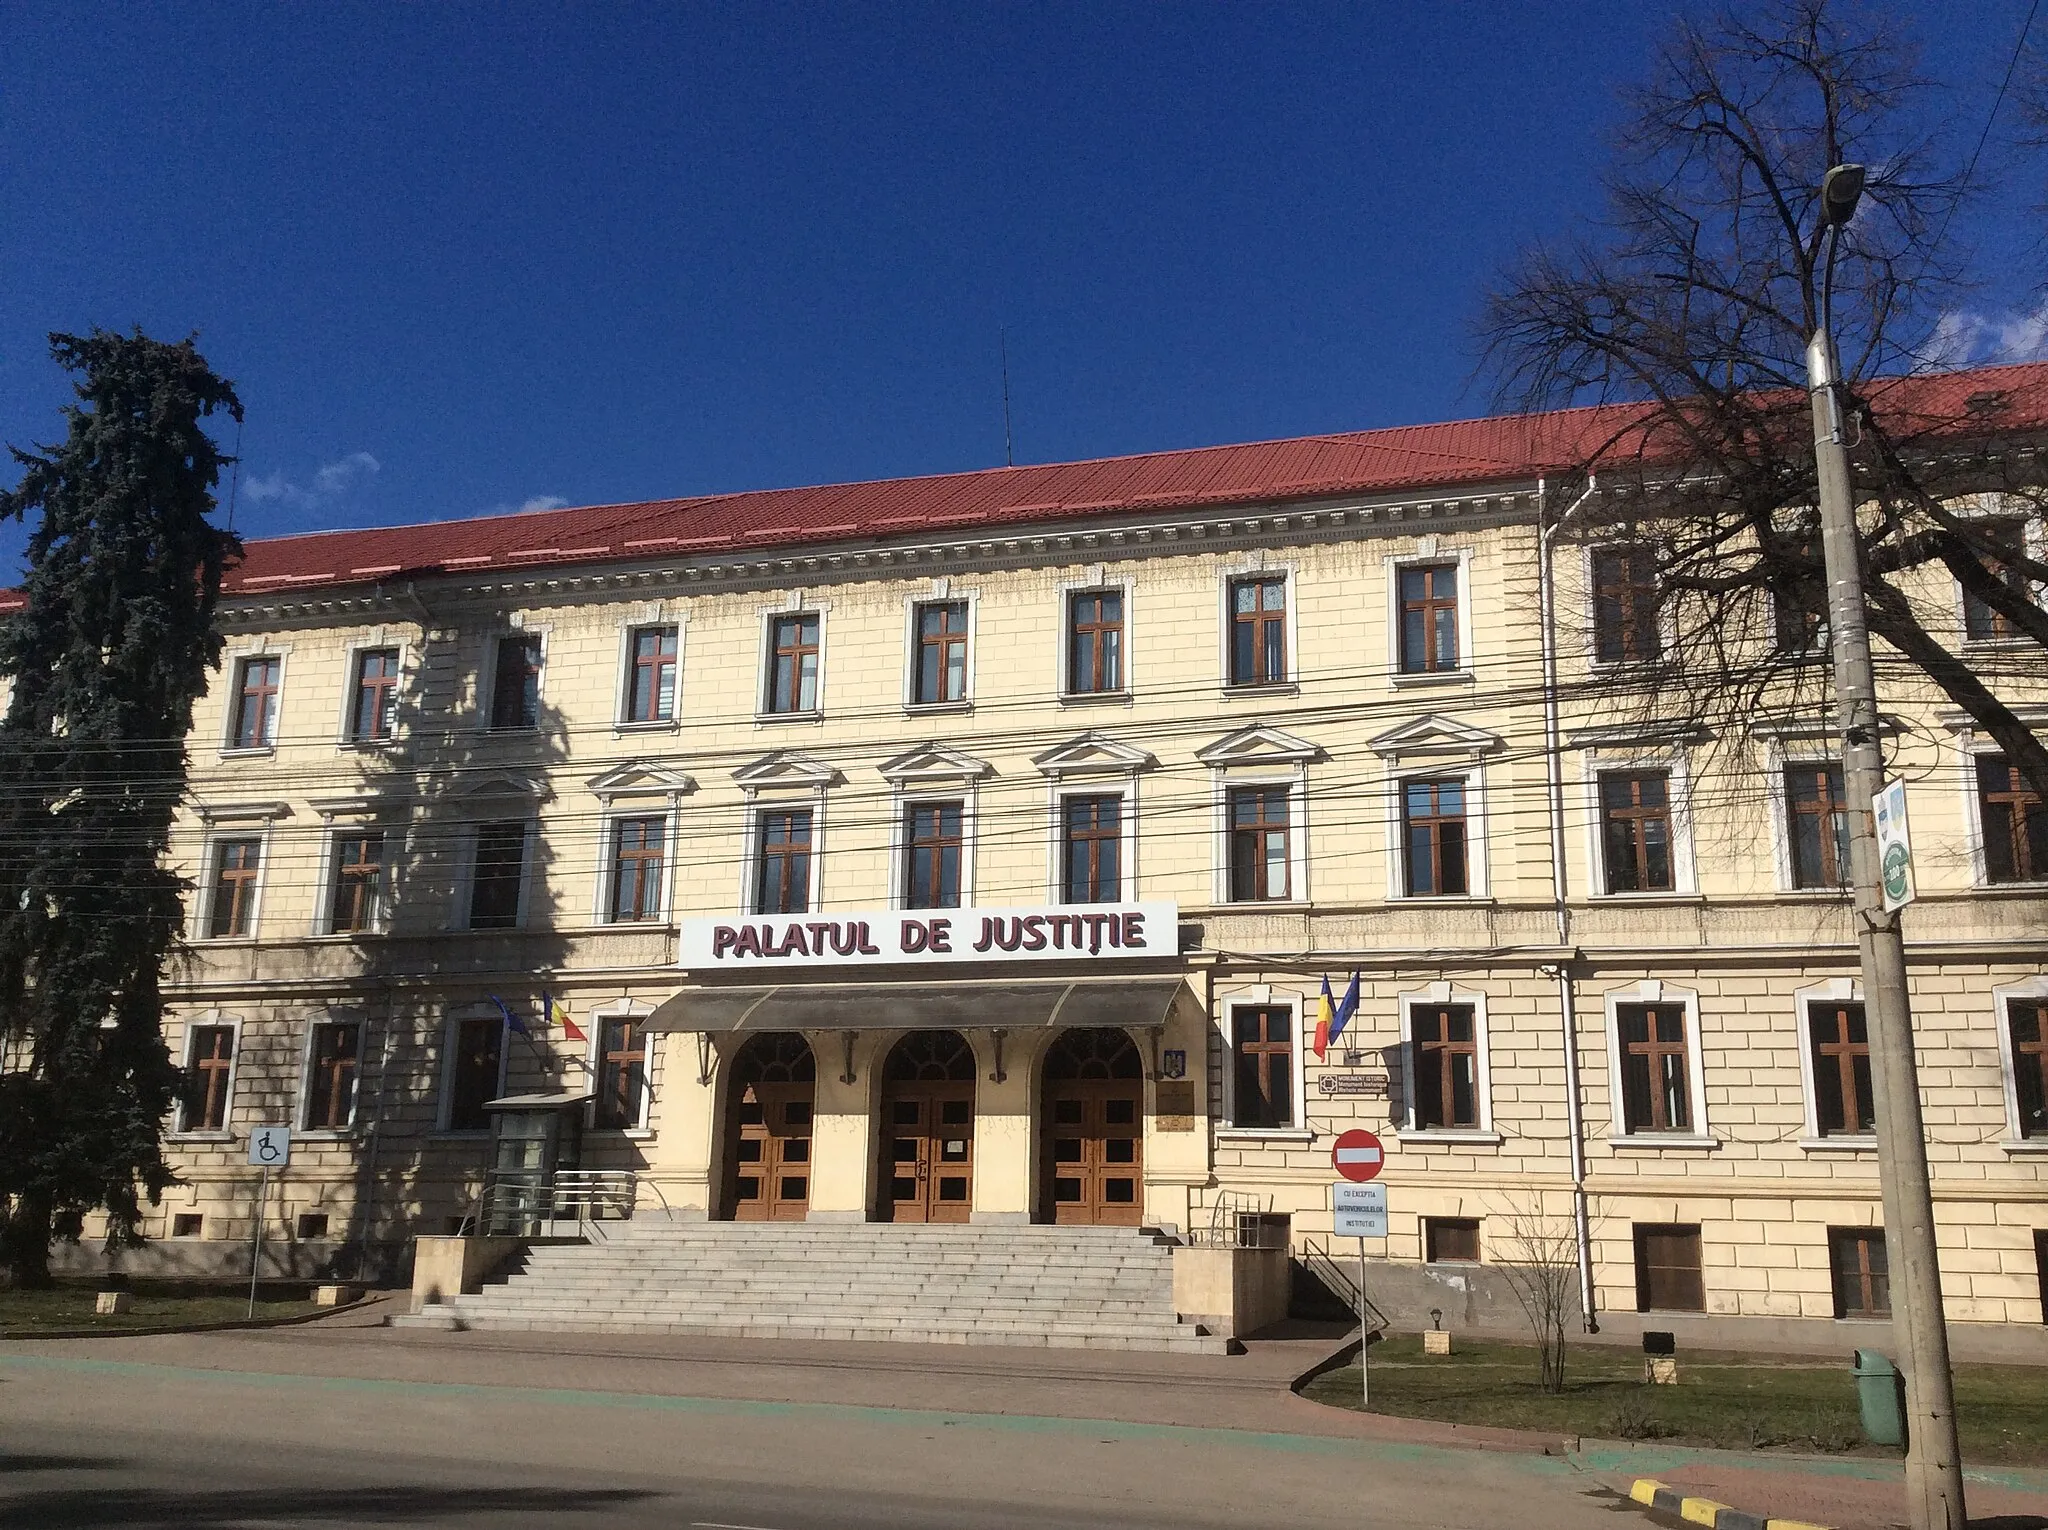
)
(1553, 761)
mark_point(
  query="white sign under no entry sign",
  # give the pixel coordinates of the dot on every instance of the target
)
(1358, 1211)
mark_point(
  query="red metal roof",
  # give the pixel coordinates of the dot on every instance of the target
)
(1457, 455)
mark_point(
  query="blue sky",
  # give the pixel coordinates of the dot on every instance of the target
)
(466, 258)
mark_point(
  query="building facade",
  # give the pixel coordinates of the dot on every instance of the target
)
(978, 848)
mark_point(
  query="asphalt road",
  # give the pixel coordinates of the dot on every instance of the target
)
(88, 1439)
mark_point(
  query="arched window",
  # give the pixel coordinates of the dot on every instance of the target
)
(775, 1057)
(928, 1056)
(1102, 1053)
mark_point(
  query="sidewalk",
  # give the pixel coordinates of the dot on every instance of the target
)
(1247, 1393)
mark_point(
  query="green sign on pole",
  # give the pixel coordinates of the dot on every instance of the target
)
(1894, 846)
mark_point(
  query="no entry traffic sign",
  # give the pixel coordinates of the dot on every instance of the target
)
(1358, 1155)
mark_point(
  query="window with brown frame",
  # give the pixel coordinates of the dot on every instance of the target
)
(1862, 1278)
(1258, 630)
(1091, 831)
(1656, 1084)
(621, 1073)
(1817, 826)
(2015, 823)
(2026, 1023)
(210, 1056)
(515, 683)
(236, 865)
(1669, 1272)
(1429, 618)
(1626, 606)
(782, 862)
(331, 1081)
(1451, 1240)
(499, 877)
(932, 845)
(651, 687)
(1635, 830)
(1982, 621)
(1095, 642)
(1433, 834)
(358, 876)
(475, 1067)
(1260, 838)
(1839, 1039)
(941, 653)
(793, 663)
(374, 715)
(637, 845)
(1445, 1046)
(1262, 1043)
(256, 702)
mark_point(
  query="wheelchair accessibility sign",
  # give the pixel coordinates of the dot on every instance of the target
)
(270, 1147)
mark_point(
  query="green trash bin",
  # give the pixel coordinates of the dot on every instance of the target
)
(1881, 1395)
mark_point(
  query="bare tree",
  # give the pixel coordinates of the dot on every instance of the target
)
(1538, 1256)
(1687, 312)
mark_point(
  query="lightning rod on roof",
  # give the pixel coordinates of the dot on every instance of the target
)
(1003, 343)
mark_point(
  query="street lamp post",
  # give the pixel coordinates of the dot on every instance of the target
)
(1934, 1472)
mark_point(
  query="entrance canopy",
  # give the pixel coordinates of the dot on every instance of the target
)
(939, 1006)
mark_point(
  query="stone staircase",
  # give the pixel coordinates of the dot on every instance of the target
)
(1060, 1287)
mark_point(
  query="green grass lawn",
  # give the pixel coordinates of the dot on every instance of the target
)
(69, 1306)
(1737, 1402)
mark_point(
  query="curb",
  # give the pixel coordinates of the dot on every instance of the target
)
(222, 1325)
(1653, 1494)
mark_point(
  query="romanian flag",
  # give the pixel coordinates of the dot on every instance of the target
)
(1327, 1023)
(557, 1013)
(1345, 1010)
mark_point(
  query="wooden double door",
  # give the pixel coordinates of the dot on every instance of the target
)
(1095, 1149)
(772, 1155)
(928, 1151)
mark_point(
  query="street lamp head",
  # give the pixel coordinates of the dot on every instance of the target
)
(1840, 190)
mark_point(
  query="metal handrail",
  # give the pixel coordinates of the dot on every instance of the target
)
(1324, 1265)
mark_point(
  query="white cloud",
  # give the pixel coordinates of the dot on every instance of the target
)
(543, 502)
(332, 482)
(1964, 338)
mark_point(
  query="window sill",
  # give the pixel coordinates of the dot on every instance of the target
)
(1425, 677)
(1673, 896)
(365, 745)
(1095, 698)
(1458, 1136)
(324, 1134)
(2018, 642)
(198, 1137)
(1288, 1135)
(651, 725)
(1818, 894)
(261, 752)
(512, 731)
(937, 708)
(218, 942)
(1838, 1144)
(1263, 905)
(772, 718)
(2024, 1145)
(1651, 1142)
(1255, 689)
(1442, 900)
(629, 1133)
(342, 937)
(2030, 887)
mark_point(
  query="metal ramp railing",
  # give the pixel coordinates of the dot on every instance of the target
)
(1323, 1263)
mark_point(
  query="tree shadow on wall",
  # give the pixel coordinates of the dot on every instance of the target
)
(469, 911)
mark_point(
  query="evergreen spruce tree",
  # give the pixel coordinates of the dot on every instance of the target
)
(105, 661)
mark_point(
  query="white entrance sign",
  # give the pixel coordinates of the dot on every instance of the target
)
(1894, 846)
(1360, 1211)
(270, 1147)
(1095, 932)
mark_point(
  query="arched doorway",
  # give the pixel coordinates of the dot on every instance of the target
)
(1095, 1129)
(768, 1129)
(928, 1128)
